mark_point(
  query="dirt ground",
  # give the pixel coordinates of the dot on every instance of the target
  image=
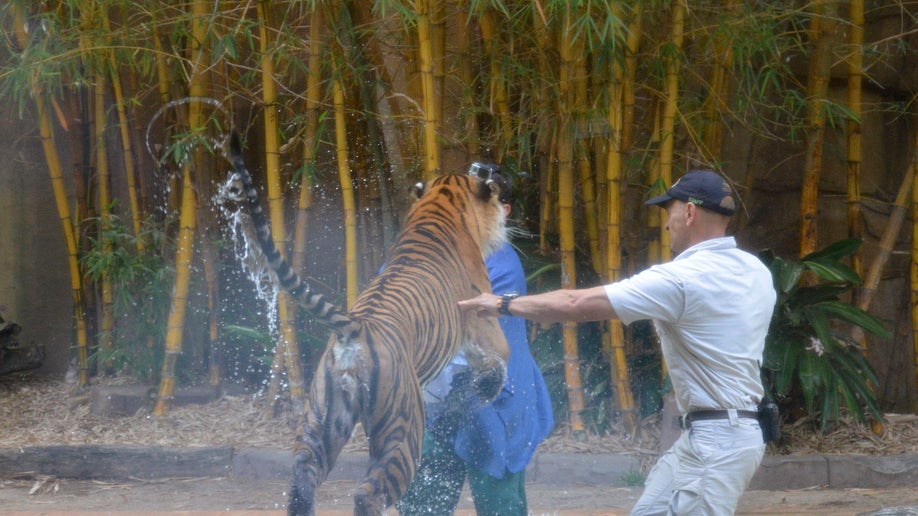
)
(49, 495)
(35, 412)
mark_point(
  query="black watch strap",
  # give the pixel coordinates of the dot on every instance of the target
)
(504, 307)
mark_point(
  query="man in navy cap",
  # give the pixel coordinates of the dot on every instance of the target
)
(711, 306)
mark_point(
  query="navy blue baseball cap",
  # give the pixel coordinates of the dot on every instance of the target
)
(703, 188)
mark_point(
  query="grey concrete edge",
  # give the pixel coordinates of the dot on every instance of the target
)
(777, 472)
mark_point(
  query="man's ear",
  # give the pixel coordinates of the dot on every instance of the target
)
(691, 212)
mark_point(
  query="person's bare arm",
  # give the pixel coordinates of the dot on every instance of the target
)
(590, 304)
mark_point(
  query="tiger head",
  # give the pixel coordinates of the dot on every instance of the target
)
(483, 213)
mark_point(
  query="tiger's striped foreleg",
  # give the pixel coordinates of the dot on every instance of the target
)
(395, 428)
(487, 352)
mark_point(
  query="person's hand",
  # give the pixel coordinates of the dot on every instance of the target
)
(484, 305)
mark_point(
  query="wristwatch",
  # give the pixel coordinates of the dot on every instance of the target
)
(503, 307)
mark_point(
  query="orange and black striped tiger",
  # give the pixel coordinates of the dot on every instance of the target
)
(403, 328)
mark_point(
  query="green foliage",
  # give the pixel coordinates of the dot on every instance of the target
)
(633, 479)
(141, 284)
(807, 352)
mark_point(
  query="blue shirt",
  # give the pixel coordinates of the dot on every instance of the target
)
(502, 436)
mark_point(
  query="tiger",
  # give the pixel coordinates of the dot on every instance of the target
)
(402, 329)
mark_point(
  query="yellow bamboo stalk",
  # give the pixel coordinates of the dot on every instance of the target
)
(855, 80)
(162, 87)
(175, 324)
(657, 246)
(107, 322)
(566, 218)
(583, 157)
(347, 193)
(428, 94)
(184, 253)
(613, 255)
(496, 86)
(310, 140)
(821, 29)
(438, 51)
(547, 141)
(467, 79)
(126, 147)
(713, 129)
(671, 63)
(628, 80)
(913, 272)
(887, 241)
(286, 349)
(548, 198)
(55, 172)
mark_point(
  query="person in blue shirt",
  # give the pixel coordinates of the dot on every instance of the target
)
(490, 444)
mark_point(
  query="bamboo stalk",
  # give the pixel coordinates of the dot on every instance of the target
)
(821, 29)
(672, 65)
(565, 158)
(107, 321)
(713, 129)
(583, 157)
(855, 80)
(286, 347)
(175, 324)
(613, 265)
(467, 79)
(310, 142)
(913, 269)
(55, 172)
(633, 43)
(428, 94)
(888, 241)
(497, 91)
(126, 147)
(184, 252)
(347, 193)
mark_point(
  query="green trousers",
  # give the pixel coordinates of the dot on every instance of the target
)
(438, 482)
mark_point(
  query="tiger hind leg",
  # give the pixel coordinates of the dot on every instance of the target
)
(303, 487)
(330, 421)
(395, 429)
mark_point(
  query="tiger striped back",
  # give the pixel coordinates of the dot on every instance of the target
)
(403, 328)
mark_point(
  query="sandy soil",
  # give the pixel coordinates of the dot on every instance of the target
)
(41, 412)
(224, 494)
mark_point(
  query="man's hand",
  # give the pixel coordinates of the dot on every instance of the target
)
(484, 305)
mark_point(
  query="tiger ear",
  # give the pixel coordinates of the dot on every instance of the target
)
(417, 190)
(488, 188)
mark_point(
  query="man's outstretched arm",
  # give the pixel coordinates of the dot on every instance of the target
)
(580, 305)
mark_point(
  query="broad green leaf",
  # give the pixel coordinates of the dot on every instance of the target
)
(785, 274)
(856, 316)
(833, 271)
(834, 251)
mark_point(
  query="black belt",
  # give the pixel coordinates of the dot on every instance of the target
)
(685, 422)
